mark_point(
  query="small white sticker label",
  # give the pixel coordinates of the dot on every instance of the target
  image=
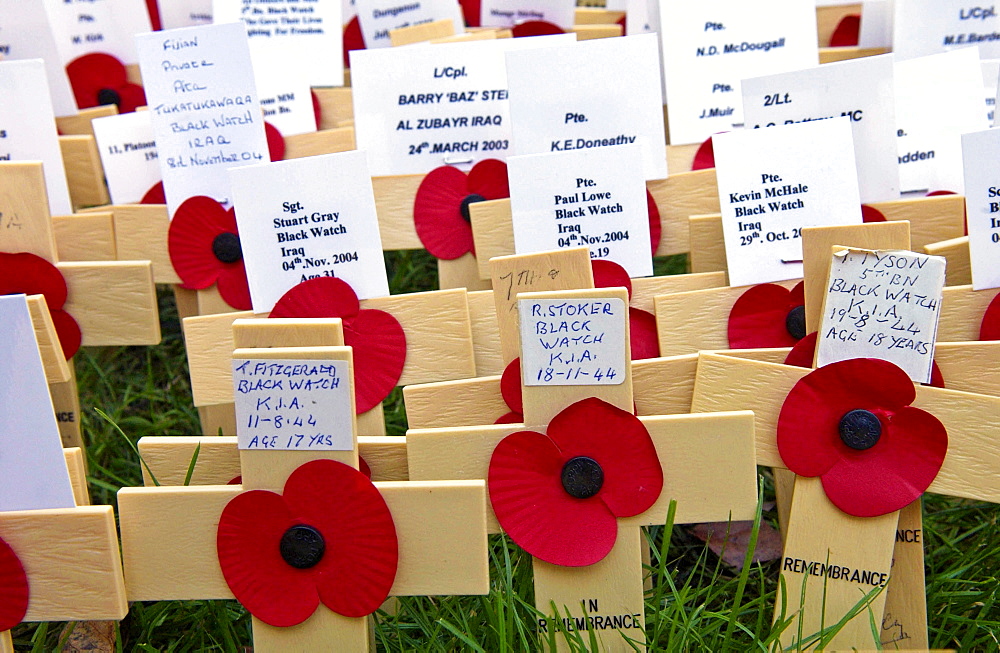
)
(293, 404)
(573, 342)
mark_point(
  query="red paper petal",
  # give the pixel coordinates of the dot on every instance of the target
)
(808, 424)
(196, 224)
(353, 39)
(489, 179)
(154, 15)
(155, 195)
(608, 274)
(621, 21)
(234, 287)
(364, 468)
(643, 337)
(655, 226)
(937, 379)
(68, 331)
(471, 12)
(510, 418)
(317, 108)
(846, 33)
(510, 386)
(620, 443)
(536, 28)
(533, 508)
(14, 589)
(379, 344)
(250, 531)
(32, 275)
(803, 352)
(359, 566)
(797, 295)
(132, 97)
(319, 297)
(704, 158)
(275, 142)
(757, 318)
(93, 72)
(989, 329)
(895, 472)
(437, 213)
(871, 214)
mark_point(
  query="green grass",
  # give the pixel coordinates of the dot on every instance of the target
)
(696, 602)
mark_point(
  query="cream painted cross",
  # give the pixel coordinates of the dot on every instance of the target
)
(169, 534)
(612, 587)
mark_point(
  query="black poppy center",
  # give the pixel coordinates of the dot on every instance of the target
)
(860, 429)
(464, 208)
(302, 546)
(795, 322)
(582, 477)
(109, 96)
(226, 247)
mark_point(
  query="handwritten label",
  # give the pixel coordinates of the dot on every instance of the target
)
(938, 98)
(309, 28)
(185, 13)
(708, 47)
(772, 184)
(33, 471)
(569, 199)
(25, 33)
(416, 109)
(860, 89)
(573, 342)
(982, 206)
(128, 153)
(200, 90)
(507, 13)
(922, 27)
(293, 404)
(575, 97)
(110, 26)
(378, 17)
(883, 305)
(294, 229)
(28, 127)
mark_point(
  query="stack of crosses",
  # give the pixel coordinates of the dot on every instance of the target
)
(113, 301)
(613, 586)
(169, 534)
(70, 555)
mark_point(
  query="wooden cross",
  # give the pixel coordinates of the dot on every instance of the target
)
(114, 302)
(169, 534)
(613, 586)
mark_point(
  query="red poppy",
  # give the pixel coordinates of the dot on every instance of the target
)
(471, 10)
(353, 39)
(378, 340)
(510, 390)
(204, 246)
(989, 329)
(32, 275)
(704, 158)
(536, 28)
(13, 588)
(155, 195)
(644, 341)
(559, 494)
(441, 207)
(98, 78)
(850, 423)
(329, 537)
(768, 315)
(871, 214)
(804, 351)
(846, 33)
(275, 142)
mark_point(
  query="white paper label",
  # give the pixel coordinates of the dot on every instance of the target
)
(378, 17)
(185, 13)
(311, 30)
(569, 199)
(577, 97)
(109, 26)
(642, 16)
(938, 98)
(203, 102)
(128, 154)
(418, 108)
(25, 34)
(981, 150)
(283, 88)
(507, 13)
(772, 184)
(293, 405)
(28, 127)
(860, 89)
(33, 473)
(293, 229)
(709, 47)
(876, 24)
(573, 342)
(922, 27)
(883, 305)
(991, 71)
